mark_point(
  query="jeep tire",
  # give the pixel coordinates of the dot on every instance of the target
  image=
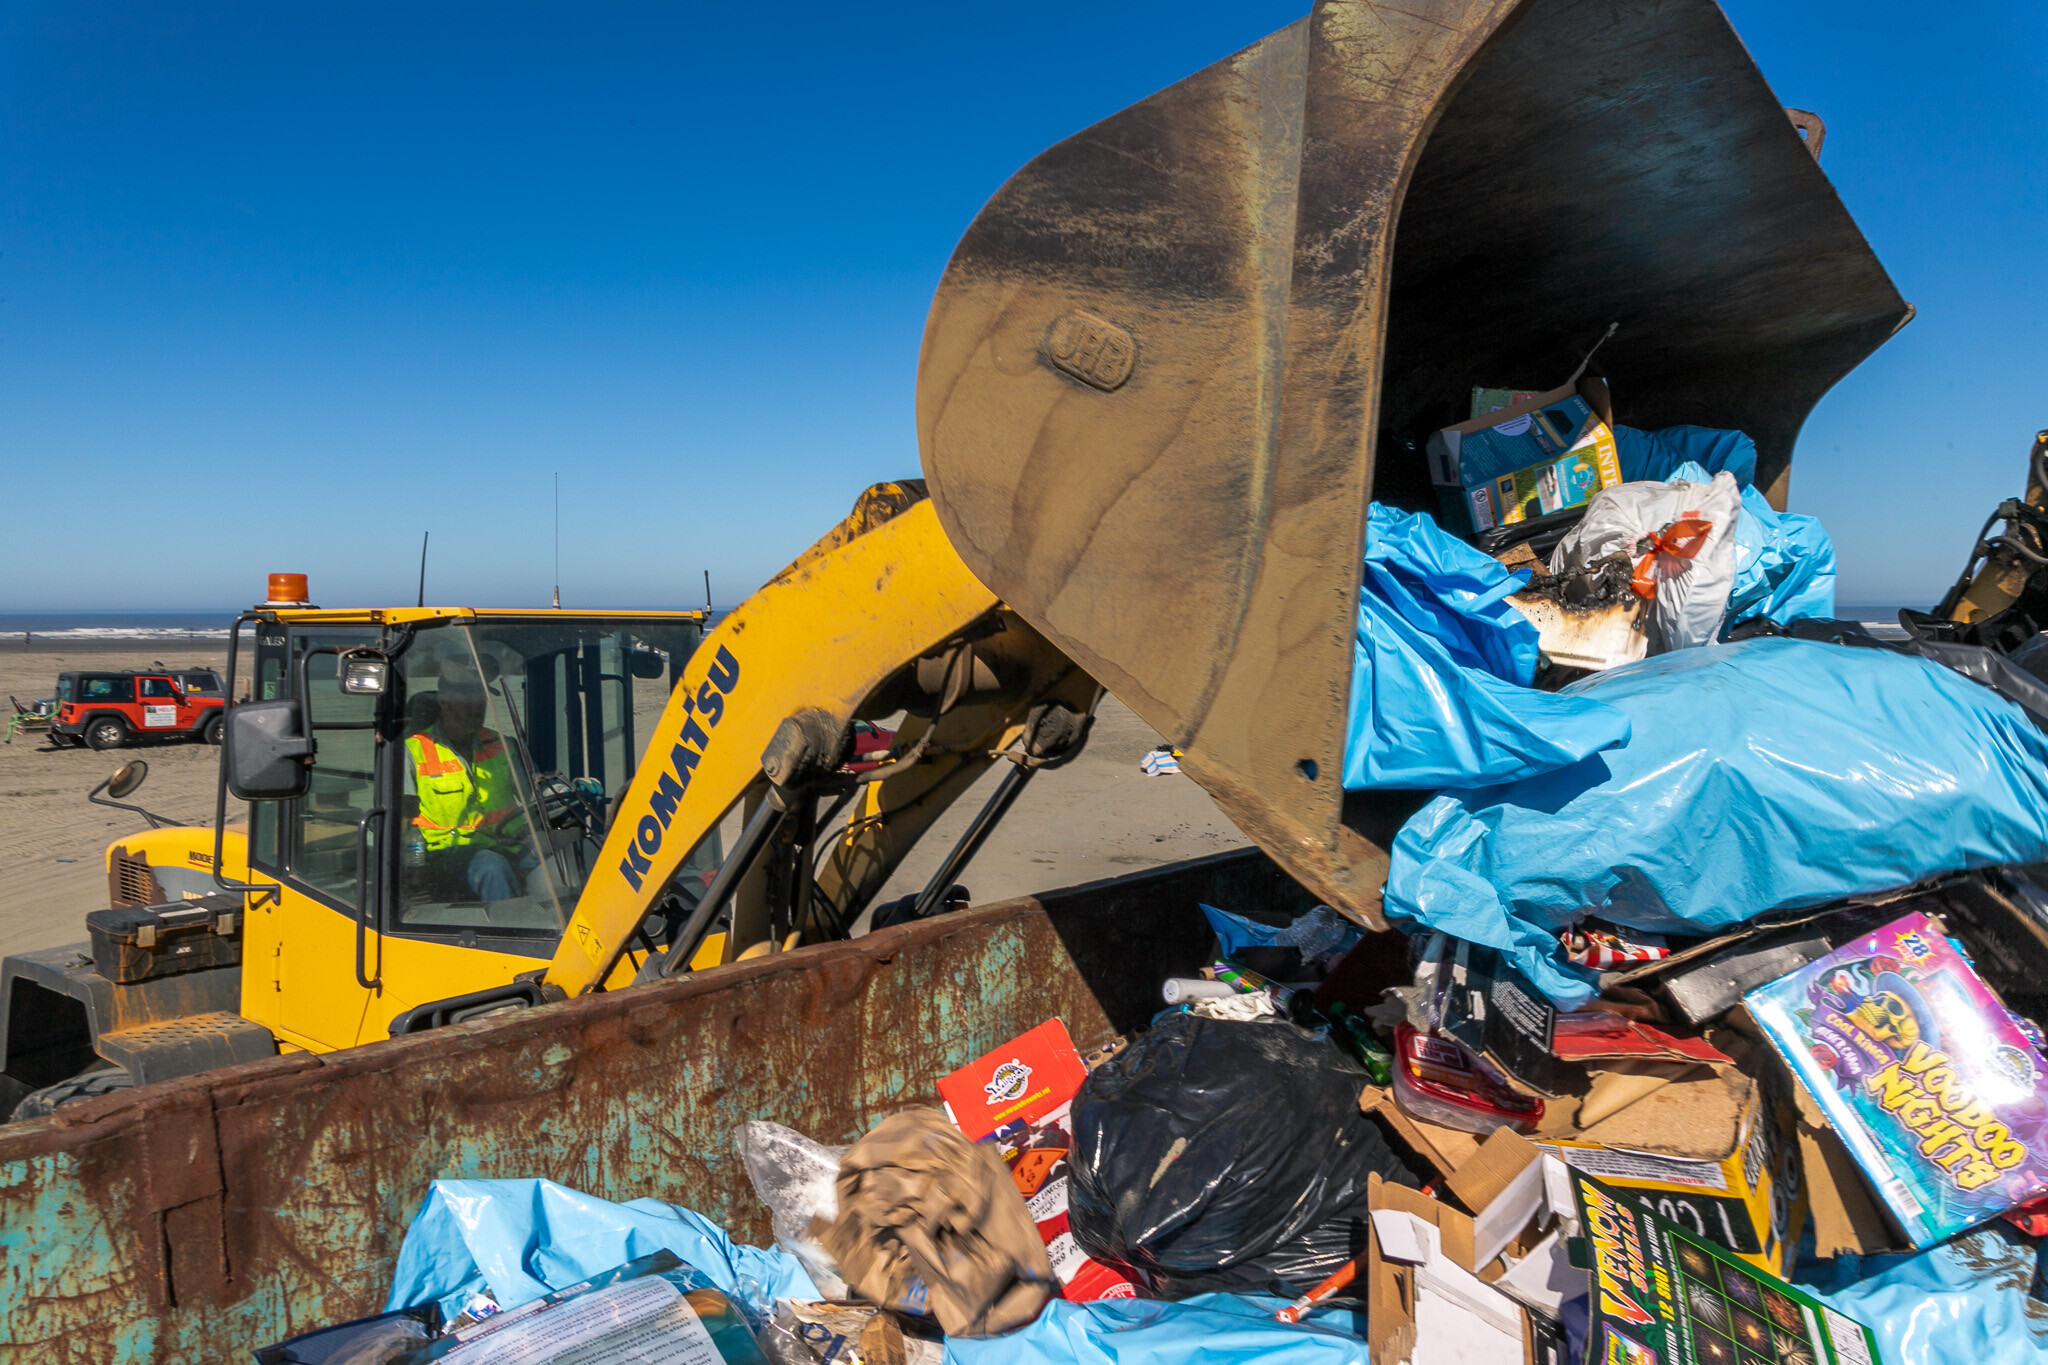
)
(209, 729)
(105, 732)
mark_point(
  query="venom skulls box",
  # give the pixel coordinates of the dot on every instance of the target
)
(1661, 1296)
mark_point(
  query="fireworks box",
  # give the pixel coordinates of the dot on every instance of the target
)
(1662, 1295)
(1934, 1087)
(1019, 1098)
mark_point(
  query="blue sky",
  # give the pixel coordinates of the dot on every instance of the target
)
(282, 286)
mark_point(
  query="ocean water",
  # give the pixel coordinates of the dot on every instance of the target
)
(59, 627)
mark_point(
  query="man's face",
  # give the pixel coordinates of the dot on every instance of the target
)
(462, 715)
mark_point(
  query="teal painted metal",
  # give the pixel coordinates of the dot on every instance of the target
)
(196, 1220)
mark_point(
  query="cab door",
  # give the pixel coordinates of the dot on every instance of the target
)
(160, 707)
(333, 854)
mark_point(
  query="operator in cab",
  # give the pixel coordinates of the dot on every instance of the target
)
(468, 825)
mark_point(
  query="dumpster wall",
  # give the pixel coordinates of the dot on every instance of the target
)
(198, 1219)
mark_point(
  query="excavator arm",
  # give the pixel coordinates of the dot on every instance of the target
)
(879, 617)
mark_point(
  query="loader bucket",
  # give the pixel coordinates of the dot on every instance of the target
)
(1174, 357)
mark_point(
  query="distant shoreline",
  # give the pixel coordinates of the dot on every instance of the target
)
(164, 647)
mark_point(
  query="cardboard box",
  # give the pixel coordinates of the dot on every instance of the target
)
(1846, 1215)
(1661, 1295)
(1424, 1301)
(1486, 401)
(1547, 454)
(1715, 1154)
(1718, 1152)
(1018, 1098)
(1026, 1078)
(1498, 1013)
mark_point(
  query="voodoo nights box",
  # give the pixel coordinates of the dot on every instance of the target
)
(1938, 1091)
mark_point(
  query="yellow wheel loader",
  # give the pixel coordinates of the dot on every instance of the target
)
(612, 748)
(1168, 366)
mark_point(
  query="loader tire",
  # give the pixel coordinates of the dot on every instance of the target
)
(87, 1085)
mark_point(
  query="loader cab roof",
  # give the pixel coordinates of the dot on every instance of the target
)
(393, 616)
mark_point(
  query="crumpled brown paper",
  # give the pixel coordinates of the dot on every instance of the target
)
(921, 1206)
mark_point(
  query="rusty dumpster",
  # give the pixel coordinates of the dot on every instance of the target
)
(199, 1219)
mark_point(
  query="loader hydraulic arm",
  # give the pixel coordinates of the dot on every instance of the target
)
(879, 616)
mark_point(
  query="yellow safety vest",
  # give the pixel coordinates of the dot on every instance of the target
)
(462, 804)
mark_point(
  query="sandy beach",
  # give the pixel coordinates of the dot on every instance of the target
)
(1096, 817)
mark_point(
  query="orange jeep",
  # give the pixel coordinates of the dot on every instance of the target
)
(105, 710)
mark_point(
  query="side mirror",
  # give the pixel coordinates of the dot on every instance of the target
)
(267, 751)
(646, 663)
(126, 779)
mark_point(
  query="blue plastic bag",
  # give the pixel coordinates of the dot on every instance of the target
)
(1765, 773)
(1321, 934)
(1658, 454)
(1441, 667)
(1974, 1298)
(525, 1238)
(1784, 565)
(1784, 562)
(1454, 594)
(1209, 1329)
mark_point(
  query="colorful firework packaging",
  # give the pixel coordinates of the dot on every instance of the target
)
(1663, 1297)
(1931, 1083)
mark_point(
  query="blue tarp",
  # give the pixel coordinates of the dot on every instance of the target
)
(1209, 1329)
(1658, 454)
(1976, 1298)
(1441, 668)
(526, 1238)
(1765, 773)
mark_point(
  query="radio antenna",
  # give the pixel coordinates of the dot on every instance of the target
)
(558, 542)
(707, 592)
(423, 568)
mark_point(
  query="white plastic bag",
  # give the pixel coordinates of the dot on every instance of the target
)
(1691, 592)
(794, 1177)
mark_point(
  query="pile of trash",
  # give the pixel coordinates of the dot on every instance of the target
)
(1705, 1035)
(1806, 1140)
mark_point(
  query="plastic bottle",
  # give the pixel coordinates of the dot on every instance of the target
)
(1361, 1042)
(415, 847)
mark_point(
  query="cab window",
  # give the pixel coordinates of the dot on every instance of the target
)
(330, 828)
(518, 739)
(158, 689)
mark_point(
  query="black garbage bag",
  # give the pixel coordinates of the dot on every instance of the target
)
(1225, 1156)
